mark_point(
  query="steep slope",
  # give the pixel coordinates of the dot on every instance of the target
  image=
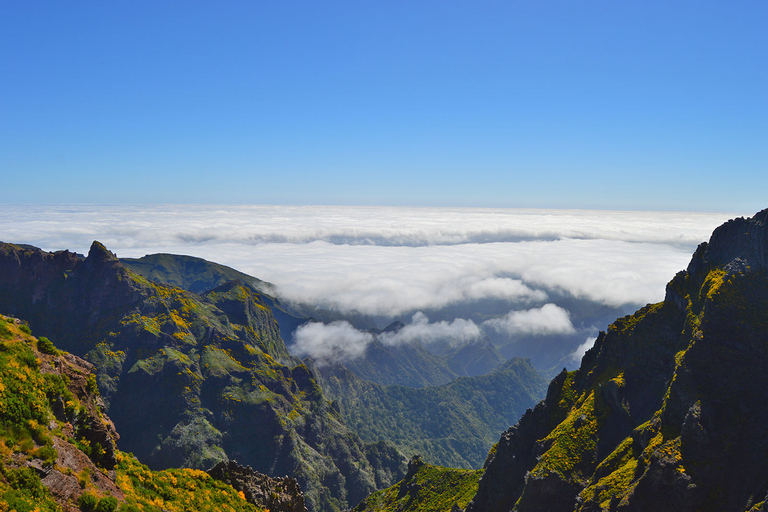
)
(405, 365)
(57, 447)
(192, 380)
(412, 365)
(667, 411)
(425, 488)
(451, 425)
(197, 275)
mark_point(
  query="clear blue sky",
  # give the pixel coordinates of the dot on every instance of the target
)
(586, 104)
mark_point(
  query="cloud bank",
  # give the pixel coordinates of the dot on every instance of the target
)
(455, 332)
(337, 341)
(394, 261)
(340, 341)
(548, 319)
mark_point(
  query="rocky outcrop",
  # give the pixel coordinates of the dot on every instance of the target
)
(274, 494)
(667, 411)
(88, 423)
(191, 380)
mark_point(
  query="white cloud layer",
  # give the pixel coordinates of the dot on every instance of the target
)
(337, 341)
(548, 319)
(393, 261)
(456, 332)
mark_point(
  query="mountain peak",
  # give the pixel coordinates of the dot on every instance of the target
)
(99, 253)
(740, 238)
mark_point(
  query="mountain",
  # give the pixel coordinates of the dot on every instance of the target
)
(667, 410)
(57, 446)
(191, 380)
(406, 365)
(197, 275)
(451, 425)
(425, 488)
(412, 365)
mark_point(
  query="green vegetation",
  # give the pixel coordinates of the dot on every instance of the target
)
(190, 380)
(426, 488)
(175, 490)
(25, 393)
(22, 491)
(453, 425)
(27, 397)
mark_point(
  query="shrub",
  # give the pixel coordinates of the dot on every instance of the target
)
(108, 504)
(88, 502)
(47, 453)
(26, 479)
(46, 346)
(25, 329)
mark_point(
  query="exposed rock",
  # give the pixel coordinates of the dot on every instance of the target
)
(274, 494)
(667, 411)
(189, 380)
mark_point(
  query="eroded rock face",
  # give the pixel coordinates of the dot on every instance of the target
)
(667, 411)
(186, 383)
(274, 494)
(71, 464)
(90, 423)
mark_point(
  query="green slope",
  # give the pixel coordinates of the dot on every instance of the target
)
(191, 380)
(452, 425)
(425, 488)
(56, 445)
(667, 411)
(197, 275)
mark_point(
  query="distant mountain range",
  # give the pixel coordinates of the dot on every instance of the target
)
(451, 425)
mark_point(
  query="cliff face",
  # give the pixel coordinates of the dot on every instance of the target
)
(667, 411)
(57, 446)
(191, 380)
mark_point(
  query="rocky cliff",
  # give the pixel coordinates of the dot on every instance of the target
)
(191, 380)
(667, 411)
(57, 446)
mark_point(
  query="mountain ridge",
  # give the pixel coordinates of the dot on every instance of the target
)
(666, 411)
(178, 373)
(57, 446)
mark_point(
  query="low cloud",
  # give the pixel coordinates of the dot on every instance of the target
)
(388, 261)
(548, 319)
(340, 341)
(337, 341)
(420, 330)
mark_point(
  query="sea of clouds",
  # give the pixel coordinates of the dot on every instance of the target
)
(399, 262)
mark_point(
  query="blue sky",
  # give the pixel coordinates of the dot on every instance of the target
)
(551, 104)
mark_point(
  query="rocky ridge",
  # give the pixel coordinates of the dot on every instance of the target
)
(667, 409)
(274, 494)
(57, 447)
(191, 380)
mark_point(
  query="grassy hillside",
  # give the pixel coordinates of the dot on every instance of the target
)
(53, 452)
(191, 379)
(425, 488)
